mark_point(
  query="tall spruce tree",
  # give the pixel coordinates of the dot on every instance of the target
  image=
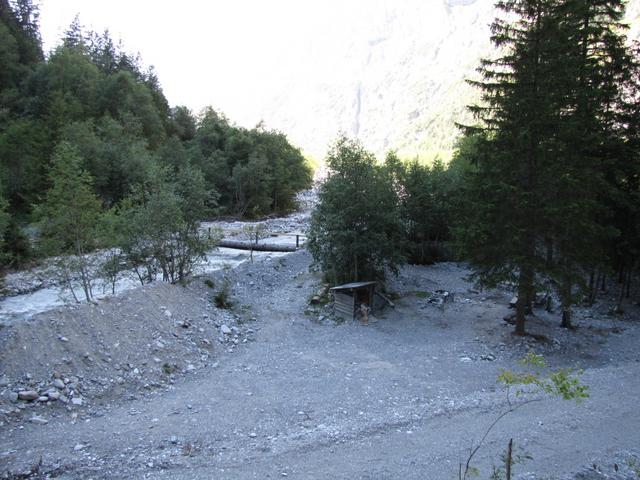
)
(551, 142)
(594, 71)
(626, 179)
(504, 229)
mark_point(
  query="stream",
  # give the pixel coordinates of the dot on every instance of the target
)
(40, 295)
(24, 306)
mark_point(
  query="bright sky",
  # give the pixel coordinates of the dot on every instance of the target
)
(205, 52)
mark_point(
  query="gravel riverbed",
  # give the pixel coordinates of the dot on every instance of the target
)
(159, 383)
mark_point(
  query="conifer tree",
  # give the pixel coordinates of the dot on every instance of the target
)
(593, 74)
(504, 226)
(550, 145)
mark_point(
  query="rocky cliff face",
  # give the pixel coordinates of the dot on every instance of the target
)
(390, 73)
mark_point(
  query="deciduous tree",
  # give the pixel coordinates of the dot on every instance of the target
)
(356, 232)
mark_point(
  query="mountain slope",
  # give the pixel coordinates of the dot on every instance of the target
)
(390, 73)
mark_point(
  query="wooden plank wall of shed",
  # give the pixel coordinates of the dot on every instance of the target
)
(344, 304)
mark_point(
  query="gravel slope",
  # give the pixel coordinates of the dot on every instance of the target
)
(306, 397)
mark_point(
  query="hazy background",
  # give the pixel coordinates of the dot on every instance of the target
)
(390, 72)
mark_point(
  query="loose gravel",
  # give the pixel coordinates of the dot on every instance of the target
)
(170, 386)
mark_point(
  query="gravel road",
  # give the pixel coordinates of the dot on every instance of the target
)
(402, 397)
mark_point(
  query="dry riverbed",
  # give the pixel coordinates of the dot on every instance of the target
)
(159, 383)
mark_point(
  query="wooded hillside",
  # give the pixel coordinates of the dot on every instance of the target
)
(90, 94)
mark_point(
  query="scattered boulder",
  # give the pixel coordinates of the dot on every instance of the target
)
(38, 420)
(53, 394)
(28, 395)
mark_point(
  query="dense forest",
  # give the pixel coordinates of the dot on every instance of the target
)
(543, 193)
(88, 116)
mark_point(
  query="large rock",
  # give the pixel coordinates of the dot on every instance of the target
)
(28, 395)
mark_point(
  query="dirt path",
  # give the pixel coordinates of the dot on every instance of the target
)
(400, 398)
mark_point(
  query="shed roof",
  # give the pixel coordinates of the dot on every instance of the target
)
(353, 285)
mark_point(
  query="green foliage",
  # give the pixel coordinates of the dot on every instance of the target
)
(132, 103)
(24, 153)
(19, 39)
(356, 232)
(5, 219)
(535, 378)
(550, 136)
(116, 157)
(253, 232)
(427, 198)
(563, 383)
(17, 247)
(70, 212)
(69, 217)
(158, 225)
(169, 368)
(183, 123)
(97, 99)
(9, 56)
(222, 298)
(256, 172)
(518, 457)
(634, 465)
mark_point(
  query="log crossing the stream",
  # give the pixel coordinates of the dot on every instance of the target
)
(258, 246)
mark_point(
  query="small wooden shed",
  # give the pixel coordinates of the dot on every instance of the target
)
(348, 298)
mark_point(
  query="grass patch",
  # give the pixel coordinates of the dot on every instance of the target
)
(222, 300)
(169, 368)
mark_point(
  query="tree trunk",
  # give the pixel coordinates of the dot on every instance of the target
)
(591, 289)
(620, 298)
(565, 297)
(67, 280)
(355, 266)
(529, 303)
(594, 293)
(521, 305)
(508, 460)
(549, 254)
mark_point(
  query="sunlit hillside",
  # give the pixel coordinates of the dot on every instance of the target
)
(392, 75)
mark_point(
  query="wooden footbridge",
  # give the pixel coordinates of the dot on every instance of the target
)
(260, 243)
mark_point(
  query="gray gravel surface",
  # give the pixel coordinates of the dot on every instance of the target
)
(402, 397)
